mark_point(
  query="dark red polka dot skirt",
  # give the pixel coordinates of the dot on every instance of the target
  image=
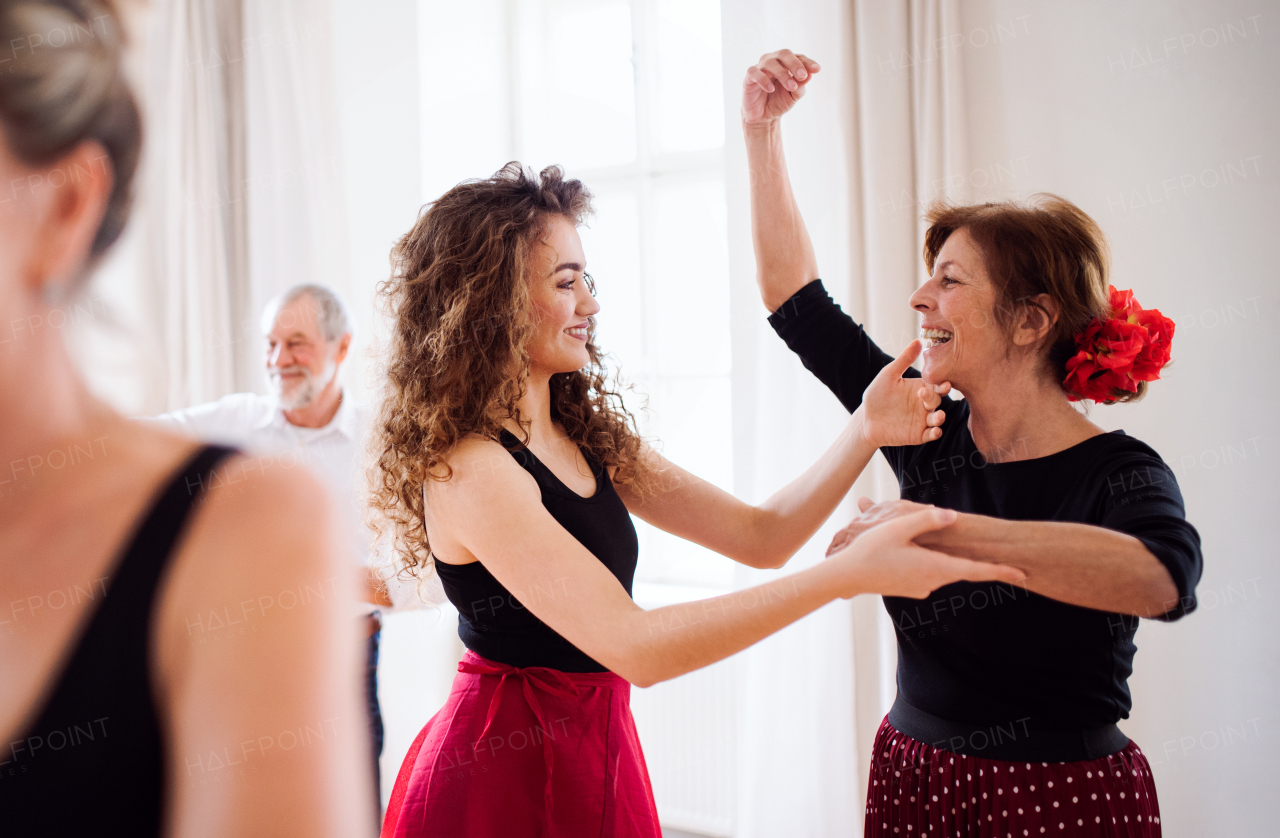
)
(917, 790)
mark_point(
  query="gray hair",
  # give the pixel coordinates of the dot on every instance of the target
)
(65, 86)
(332, 314)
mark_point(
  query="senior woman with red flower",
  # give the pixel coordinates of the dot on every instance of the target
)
(1008, 696)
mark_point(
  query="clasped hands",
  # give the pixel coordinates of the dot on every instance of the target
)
(872, 514)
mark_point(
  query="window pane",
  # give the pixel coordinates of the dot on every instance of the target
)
(577, 83)
(687, 353)
(688, 96)
(688, 286)
(466, 128)
(690, 418)
(611, 243)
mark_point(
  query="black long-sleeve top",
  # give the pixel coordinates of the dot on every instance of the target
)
(991, 658)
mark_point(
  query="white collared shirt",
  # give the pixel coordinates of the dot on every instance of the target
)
(257, 426)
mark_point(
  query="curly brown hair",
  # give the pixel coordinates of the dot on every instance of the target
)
(459, 302)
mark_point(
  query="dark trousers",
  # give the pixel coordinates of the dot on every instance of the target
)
(375, 716)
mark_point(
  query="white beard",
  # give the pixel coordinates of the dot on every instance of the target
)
(302, 394)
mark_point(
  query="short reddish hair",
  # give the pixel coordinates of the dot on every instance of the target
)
(1045, 245)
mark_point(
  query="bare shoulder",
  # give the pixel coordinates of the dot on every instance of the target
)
(243, 496)
(248, 511)
(256, 632)
(474, 451)
(259, 541)
(483, 477)
(477, 469)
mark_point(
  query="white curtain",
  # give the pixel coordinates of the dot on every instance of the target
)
(294, 173)
(241, 190)
(878, 135)
(192, 258)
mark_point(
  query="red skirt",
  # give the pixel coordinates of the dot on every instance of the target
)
(526, 753)
(917, 790)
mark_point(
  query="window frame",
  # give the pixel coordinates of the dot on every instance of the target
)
(650, 169)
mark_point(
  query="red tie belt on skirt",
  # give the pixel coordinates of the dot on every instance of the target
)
(557, 758)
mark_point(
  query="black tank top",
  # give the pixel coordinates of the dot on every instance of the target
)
(93, 762)
(493, 623)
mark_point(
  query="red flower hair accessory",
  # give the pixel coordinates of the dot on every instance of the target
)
(1113, 355)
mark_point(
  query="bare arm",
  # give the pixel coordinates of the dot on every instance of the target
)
(1080, 564)
(785, 261)
(761, 536)
(566, 587)
(258, 666)
(1076, 563)
(893, 412)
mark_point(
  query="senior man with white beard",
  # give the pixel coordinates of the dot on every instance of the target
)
(306, 420)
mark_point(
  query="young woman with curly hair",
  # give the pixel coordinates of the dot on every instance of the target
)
(509, 465)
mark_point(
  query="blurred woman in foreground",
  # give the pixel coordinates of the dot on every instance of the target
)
(129, 704)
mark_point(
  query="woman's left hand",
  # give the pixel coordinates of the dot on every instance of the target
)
(902, 411)
(873, 513)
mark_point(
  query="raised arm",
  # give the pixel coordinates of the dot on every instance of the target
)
(785, 261)
(491, 511)
(827, 341)
(894, 411)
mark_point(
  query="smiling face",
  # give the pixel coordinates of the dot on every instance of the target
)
(300, 361)
(562, 304)
(963, 342)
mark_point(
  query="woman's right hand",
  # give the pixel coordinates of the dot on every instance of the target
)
(883, 560)
(774, 84)
(901, 411)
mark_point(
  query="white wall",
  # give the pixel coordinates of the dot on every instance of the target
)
(1160, 121)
